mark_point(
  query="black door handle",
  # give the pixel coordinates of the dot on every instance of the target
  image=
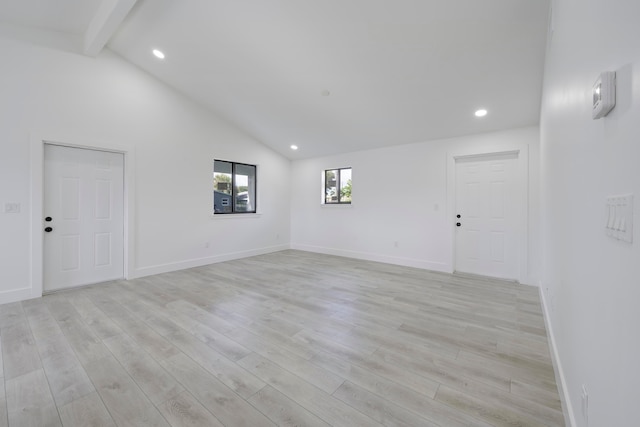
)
(458, 224)
(458, 216)
(48, 219)
(48, 229)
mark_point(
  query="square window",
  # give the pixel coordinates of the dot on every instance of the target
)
(234, 187)
(337, 186)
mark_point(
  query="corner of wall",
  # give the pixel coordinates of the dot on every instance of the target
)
(374, 257)
(199, 262)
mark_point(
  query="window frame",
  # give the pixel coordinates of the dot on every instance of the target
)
(338, 188)
(234, 193)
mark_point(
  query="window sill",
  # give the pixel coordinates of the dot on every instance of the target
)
(336, 205)
(236, 216)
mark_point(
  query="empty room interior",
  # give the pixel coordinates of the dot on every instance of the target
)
(326, 213)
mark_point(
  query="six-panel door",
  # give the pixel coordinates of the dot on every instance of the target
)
(486, 200)
(84, 217)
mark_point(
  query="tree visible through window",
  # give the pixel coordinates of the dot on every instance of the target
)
(337, 186)
(234, 187)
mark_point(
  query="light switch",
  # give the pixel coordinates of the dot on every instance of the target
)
(619, 221)
(611, 211)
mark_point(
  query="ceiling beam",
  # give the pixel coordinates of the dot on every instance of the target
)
(104, 24)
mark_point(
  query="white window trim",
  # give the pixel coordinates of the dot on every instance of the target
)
(337, 205)
(236, 215)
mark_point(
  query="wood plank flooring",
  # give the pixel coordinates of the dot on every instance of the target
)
(290, 338)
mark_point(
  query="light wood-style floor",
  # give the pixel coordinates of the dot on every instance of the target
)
(290, 338)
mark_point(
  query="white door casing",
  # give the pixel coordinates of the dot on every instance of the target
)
(486, 198)
(84, 197)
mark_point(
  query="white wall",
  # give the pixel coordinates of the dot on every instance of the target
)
(591, 283)
(106, 101)
(399, 195)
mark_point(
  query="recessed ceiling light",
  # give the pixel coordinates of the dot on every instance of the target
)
(481, 113)
(294, 147)
(158, 54)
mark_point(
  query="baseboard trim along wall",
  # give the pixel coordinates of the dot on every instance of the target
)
(367, 256)
(199, 262)
(16, 295)
(567, 407)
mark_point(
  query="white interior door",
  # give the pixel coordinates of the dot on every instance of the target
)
(487, 204)
(84, 217)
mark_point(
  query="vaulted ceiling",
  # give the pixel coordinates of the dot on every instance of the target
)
(329, 76)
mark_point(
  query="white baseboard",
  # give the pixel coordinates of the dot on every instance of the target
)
(199, 262)
(367, 256)
(567, 407)
(16, 295)
(23, 294)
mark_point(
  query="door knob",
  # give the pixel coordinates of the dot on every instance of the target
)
(48, 219)
(48, 229)
(458, 224)
(458, 216)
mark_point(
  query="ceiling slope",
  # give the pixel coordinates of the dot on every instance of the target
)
(333, 76)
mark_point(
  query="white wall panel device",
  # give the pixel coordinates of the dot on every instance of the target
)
(604, 94)
(620, 217)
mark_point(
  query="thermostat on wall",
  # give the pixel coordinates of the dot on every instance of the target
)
(604, 94)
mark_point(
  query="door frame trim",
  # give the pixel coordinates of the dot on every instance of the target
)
(38, 142)
(522, 164)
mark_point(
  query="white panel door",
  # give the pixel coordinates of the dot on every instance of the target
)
(487, 226)
(84, 217)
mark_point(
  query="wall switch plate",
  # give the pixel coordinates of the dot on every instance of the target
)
(12, 207)
(619, 217)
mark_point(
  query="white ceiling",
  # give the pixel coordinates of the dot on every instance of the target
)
(67, 16)
(398, 71)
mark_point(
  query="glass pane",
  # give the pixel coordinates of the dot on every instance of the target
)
(345, 185)
(245, 181)
(330, 186)
(222, 187)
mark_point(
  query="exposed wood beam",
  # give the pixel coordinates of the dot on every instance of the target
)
(104, 24)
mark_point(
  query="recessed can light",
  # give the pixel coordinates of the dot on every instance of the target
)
(158, 54)
(481, 113)
(294, 147)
